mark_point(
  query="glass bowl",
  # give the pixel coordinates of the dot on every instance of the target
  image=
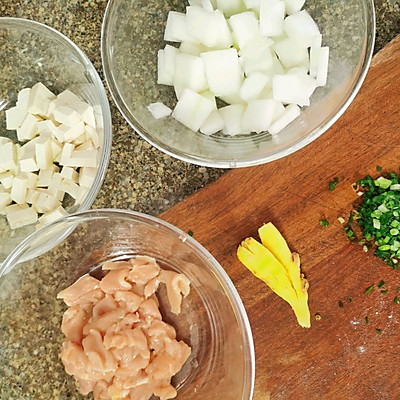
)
(213, 320)
(30, 53)
(133, 32)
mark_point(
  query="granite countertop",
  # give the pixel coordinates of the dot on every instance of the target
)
(148, 180)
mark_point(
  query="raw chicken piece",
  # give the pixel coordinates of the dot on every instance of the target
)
(84, 285)
(115, 280)
(74, 319)
(177, 286)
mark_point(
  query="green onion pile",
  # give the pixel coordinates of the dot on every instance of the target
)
(378, 216)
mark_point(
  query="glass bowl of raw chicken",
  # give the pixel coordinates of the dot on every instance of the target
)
(126, 306)
(235, 83)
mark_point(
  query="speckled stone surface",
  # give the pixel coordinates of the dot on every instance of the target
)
(139, 176)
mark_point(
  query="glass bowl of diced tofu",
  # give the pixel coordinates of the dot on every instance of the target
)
(125, 307)
(55, 129)
(235, 83)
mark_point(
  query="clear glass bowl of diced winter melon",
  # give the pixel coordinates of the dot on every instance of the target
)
(55, 129)
(235, 83)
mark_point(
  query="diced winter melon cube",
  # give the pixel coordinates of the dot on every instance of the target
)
(195, 2)
(15, 116)
(19, 215)
(166, 65)
(192, 110)
(175, 29)
(192, 48)
(189, 72)
(207, 5)
(232, 117)
(230, 7)
(257, 56)
(293, 6)
(208, 27)
(232, 99)
(245, 27)
(315, 50)
(323, 65)
(301, 27)
(253, 85)
(209, 95)
(293, 88)
(178, 91)
(290, 53)
(277, 68)
(159, 110)
(213, 123)
(223, 71)
(292, 111)
(259, 115)
(252, 5)
(272, 14)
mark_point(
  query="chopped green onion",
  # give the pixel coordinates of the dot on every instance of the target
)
(381, 284)
(349, 299)
(396, 300)
(366, 320)
(384, 291)
(190, 233)
(378, 168)
(378, 331)
(324, 222)
(333, 183)
(369, 289)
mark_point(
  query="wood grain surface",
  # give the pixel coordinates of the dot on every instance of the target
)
(341, 356)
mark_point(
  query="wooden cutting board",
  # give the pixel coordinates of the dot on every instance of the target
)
(341, 356)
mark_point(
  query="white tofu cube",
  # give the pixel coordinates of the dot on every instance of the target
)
(51, 216)
(86, 113)
(8, 159)
(20, 215)
(39, 100)
(56, 147)
(245, 27)
(213, 124)
(43, 153)
(223, 72)
(73, 132)
(81, 139)
(68, 98)
(301, 27)
(292, 111)
(208, 27)
(253, 86)
(232, 116)
(23, 98)
(46, 128)
(66, 153)
(28, 129)
(66, 115)
(83, 158)
(7, 179)
(290, 53)
(31, 179)
(45, 175)
(175, 29)
(192, 110)
(166, 65)
(69, 173)
(272, 14)
(19, 188)
(70, 187)
(5, 200)
(15, 116)
(93, 134)
(189, 72)
(46, 203)
(32, 196)
(87, 176)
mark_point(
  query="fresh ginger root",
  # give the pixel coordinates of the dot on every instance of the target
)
(274, 263)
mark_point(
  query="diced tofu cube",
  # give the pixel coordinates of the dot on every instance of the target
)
(175, 29)
(68, 98)
(43, 153)
(93, 134)
(87, 176)
(73, 132)
(166, 65)
(46, 203)
(46, 128)
(70, 187)
(32, 196)
(28, 129)
(259, 115)
(31, 179)
(20, 215)
(7, 179)
(232, 116)
(5, 200)
(189, 72)
(66, 115)
(301, 27)
(292, 111)
(45, 175)
(54, 185)
(253, 85)
(18, 190)
(223, 72)
(51, 216)
(192, 109)
(159, 110)
(66, 153)
(15, 116)
(272, 14)
(86, 113)
(69, 173)
(23, 98)
(245, 27)
(208, 27)
(39, 100)
(213, 124)
(82, 158)
(290, 53)
(8, 159)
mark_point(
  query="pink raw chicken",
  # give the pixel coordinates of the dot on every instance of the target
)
(116, 344)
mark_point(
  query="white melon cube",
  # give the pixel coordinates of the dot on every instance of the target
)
(43, 153)
(323, 65)
(8, 159)
(245, 27)
(39, 100)
(259, 115)
(192, 110)
(252, 5)
(253, 85)
(159, 110)
(178, 91)
(192, 48)
(195, 2)
(213, 123)
(5, 200)
(315, 51)
(7, 179)
(232, 117)
(189, 72)
(23, 98)
(223, 71)
(208, 27)
(293, 6)
(87, 176)
(277, 68)
(290, 53)
(28, 129)
(207, 5)
(272, 14)
(292, 111)
(301, 27)
(257, 56)
(45, 175)
(18, 189)
(175, 29)
(20, 215)
(293, 88)
(230, 7)
(166, 65)
(232, 99)
(209, 95)
(15, 116)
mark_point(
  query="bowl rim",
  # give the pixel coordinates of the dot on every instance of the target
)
(16, 256)
(13, 22)
(104, 103)
(235, 162)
